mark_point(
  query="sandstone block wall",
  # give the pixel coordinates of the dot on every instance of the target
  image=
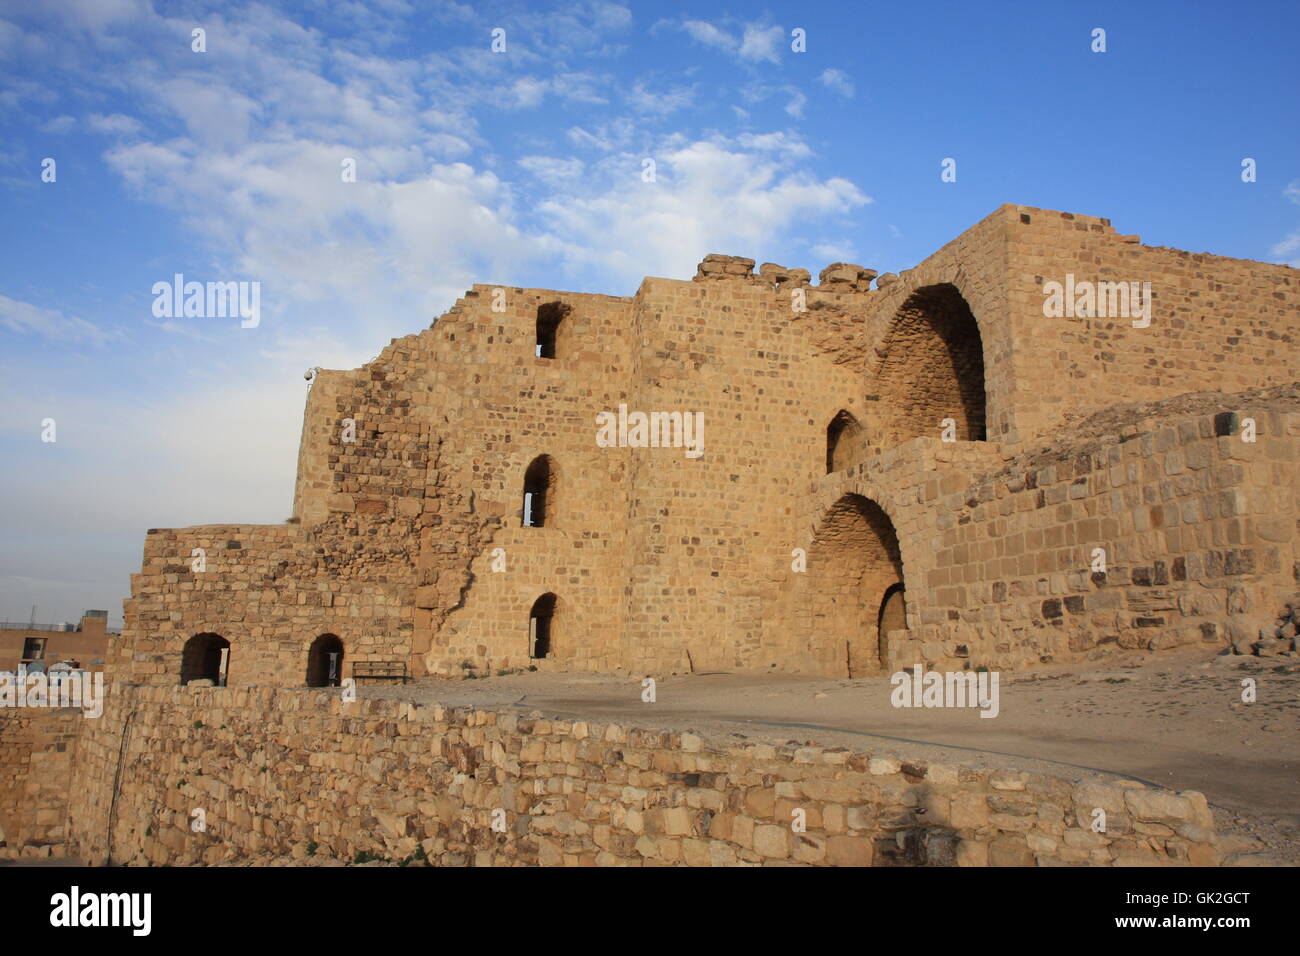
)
(269, 590)
(1217, 323)
(37, 752)
(290, 774)
(408, 542)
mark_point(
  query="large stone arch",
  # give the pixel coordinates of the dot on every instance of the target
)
(931, 368)
(854, 560)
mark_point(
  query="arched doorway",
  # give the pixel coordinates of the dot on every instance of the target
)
(853, 563)
(893, 617)
(843, 442)
(540, 620)
(325, 662)
(206, 657)
(932, 369)
(539, 492)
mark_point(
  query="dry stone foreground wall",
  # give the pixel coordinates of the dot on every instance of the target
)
(285, 774)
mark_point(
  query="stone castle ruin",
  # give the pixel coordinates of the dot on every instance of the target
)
(891, 470)
(1045, 442)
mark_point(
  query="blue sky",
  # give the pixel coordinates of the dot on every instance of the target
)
(524, 167)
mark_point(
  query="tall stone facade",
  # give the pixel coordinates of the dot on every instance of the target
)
(895, 469)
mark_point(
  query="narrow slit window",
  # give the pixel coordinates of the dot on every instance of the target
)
(539, 486)
(549, 317)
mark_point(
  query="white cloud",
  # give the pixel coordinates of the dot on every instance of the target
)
(553, 171)
(834, 251)
(59, 125)
(792, 146)
(838, 81)
(718, 195)
(606, 137)
(761, 43)
(115, 124)
(754, 45)
(1287, 250)
(248, 159)
(527, 92)
(219, 449)
(582, 87)
(662, 102)
(25, 318)
(703, 32)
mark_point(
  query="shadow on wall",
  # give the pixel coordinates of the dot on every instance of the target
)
(932, 369)
(854, 587)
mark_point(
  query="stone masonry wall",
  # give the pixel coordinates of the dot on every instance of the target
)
(1196, 528)
(289, 774)
(37, 750)
(1217, 323)
(270, 590)
(408, 543)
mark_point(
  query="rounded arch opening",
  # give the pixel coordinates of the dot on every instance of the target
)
(539, 492)
(206, 657)
(854, 563)
(325, 661)
(541, 626)
(932, 369)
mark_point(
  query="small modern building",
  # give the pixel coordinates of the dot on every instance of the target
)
(40, 646)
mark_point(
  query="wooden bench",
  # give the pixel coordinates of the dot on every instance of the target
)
(380, 670)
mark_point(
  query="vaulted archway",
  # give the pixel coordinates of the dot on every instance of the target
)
(854, 563)
(932, 369)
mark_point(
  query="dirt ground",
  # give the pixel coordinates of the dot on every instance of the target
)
(1174, 719)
